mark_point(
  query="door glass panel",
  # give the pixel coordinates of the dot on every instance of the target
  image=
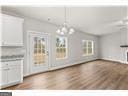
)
(39, 50)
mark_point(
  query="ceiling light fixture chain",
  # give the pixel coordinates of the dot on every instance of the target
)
(65, 15)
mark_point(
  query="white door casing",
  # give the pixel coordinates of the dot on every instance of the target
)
(38, 52)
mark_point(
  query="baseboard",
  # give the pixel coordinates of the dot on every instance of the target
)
(68, 65)
(61, 66)
(124, 62)
(118, 61)
(26, 75)
(10, 84)
(76, 63)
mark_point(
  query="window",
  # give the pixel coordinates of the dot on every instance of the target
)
(61, 47)
(87, 47)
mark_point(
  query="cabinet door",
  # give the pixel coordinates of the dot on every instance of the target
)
(12, 31)
(3, 76)
(14, 74)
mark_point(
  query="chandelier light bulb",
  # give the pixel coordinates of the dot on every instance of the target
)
(64, 29)
(71, 31)
(58, 31)
(62, 33)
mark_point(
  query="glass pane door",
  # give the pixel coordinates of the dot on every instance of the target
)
(38, 52)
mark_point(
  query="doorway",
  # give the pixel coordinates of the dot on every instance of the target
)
(38, 52)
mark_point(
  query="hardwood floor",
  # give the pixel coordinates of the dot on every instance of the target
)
(95, 75)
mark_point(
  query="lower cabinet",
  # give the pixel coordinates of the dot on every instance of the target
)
(3, 76)
(14, 74)
(11, 73)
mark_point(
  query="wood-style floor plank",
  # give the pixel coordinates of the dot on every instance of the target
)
(95, 75)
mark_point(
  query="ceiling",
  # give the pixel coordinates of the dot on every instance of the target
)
(94, 20)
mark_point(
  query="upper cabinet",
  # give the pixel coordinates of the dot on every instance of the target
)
(12, 31)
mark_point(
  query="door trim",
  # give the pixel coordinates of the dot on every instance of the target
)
(28, 69)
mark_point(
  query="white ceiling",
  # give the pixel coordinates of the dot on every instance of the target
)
(93, 20)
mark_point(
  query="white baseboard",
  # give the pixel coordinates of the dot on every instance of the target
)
(67, 65)
(115, 60)
(76, 63)
(10, 84)
(25, 75)
(111, 59)
(124, 62)
(61, 66)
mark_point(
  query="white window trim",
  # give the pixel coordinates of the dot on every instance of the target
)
(87, 47)
(66, 39)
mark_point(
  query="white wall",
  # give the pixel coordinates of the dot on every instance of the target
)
(75, 49)
(0, 26)
(106, 47)
(74, 44)
(35, 25)
(110, 46)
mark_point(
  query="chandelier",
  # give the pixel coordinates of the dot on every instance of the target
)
(65, 30)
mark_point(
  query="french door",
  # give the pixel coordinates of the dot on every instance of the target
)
(39, 51)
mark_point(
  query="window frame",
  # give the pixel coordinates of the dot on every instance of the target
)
(66, 47)
(87, 41)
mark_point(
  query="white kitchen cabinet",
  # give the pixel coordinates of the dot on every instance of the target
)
(12, 31)
(14, 74)
(11, 73)
(3, 76)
